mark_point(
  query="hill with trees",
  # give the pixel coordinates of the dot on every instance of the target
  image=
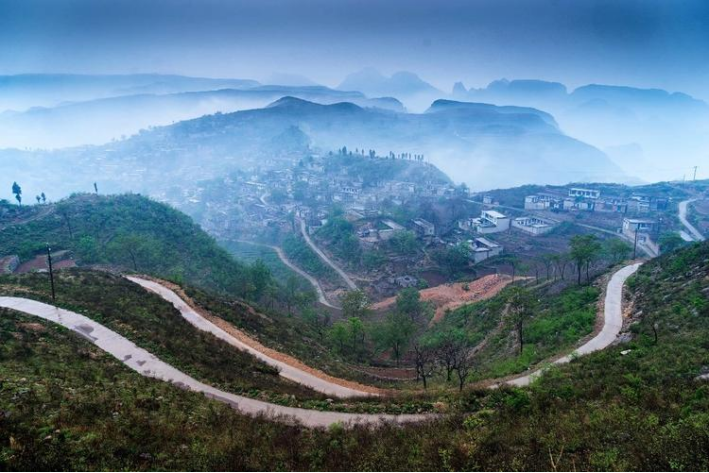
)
(129, 232)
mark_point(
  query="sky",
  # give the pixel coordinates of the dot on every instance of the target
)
(644, 43)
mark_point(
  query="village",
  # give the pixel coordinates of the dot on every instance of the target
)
(396, 221)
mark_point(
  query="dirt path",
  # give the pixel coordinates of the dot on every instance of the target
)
(289, 367)
(612, 325)
(691, 229)
(451, 296)
(314, 282)
(150, 366)
(350, 283)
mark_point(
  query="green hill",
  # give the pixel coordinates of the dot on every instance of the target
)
(130, 232)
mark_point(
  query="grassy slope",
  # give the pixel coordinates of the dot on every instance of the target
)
(559, 322)
(153, 324)
(171, 244)
(252, 252)
(606, 411)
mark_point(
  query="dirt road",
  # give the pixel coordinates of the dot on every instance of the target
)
(350, 283)
(612, 324)
(691, 229)
(148, 365)
(296, 372)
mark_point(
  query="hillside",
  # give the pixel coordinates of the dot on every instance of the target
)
(129, 232)
(634, 406)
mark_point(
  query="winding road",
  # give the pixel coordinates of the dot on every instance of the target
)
(314, 282)
(691, 229)
(286, 370)
(150, 366)
(612, 324)
(350, 283)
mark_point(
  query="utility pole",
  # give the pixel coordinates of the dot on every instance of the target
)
(635, 243)
(695, 173)
(51, 272)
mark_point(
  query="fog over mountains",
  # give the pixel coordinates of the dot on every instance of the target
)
(508, 133)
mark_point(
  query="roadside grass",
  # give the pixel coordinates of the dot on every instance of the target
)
(66, 406)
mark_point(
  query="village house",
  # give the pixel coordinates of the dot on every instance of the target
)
(534, 225)
(542, 202)
(490, 221)
(423, 228)
(482, 249)
(576, 192)
(638, 225)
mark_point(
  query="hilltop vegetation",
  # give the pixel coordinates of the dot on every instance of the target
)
(134, 233)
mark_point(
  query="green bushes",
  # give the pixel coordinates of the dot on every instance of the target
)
(134, 233)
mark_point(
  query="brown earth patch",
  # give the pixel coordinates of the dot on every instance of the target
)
(451, 296)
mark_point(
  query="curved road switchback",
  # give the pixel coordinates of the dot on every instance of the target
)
(691, 229)
(350, 283)
(314, 282)
(286, 370)
(150, 366)
(612, 324)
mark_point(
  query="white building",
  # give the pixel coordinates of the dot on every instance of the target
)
(585, 193)
(490, 221)
(533, 225)
(482, 249)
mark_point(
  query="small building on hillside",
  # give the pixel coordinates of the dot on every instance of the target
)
(490, 221)
(388, 229)
(482, 249)
(543, 202)
(576, 192)
(639, 225)
(534, 225)
(423, 228)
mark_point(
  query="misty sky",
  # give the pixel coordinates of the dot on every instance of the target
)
(647, 43)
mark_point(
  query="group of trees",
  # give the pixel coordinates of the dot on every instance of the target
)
(585, 252)
(356, 335)
(373, 154)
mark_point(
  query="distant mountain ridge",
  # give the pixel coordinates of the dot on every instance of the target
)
(480, 144)
(101, 120)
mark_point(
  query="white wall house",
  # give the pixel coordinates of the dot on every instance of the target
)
(482, 249)
(533, 225)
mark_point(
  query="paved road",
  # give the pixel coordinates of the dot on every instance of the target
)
(314, 282)
(287, 371)
(612, 324)
(691, 230)
(150, 366)
(350, 283)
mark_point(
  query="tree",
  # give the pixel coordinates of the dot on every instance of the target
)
(404, 243)
(290, 292)
(617, 250)
(424, 361)
(355, 304)
(339, 335)
(260, 276)
(17, 190)
(44, 198)
(395, 333)
(584, 250)
(453, 259)
(39, 199)
(670, 241)
(408, 302)
(520, 307)
(356, 334)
